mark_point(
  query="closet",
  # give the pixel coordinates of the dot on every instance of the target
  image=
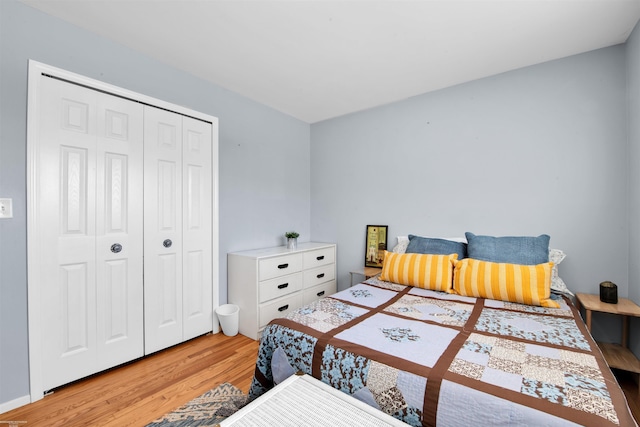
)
(122, 226)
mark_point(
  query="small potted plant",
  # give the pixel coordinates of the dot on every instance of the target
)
(292, 239)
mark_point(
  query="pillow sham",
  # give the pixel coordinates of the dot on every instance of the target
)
(401, 246)
(557, 284)
(525, 284)
(430, 245)
(509, 249)
(427, 271)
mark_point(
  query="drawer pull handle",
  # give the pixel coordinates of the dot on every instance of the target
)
(320, 293)
(283, 308)
(281, 266)
(320, 276)
(320, 258)
(284, 285)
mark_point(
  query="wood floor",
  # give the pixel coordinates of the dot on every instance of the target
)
(140, 392)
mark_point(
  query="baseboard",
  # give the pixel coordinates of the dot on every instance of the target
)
(15, 403)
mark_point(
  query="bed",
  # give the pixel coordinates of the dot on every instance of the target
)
(434, 357)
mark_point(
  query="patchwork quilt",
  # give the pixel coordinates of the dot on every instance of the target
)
(435, 359)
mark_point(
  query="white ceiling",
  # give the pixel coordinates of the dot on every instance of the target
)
(316, 60)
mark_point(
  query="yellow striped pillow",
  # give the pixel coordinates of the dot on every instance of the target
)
(526, 284)
(421, 270)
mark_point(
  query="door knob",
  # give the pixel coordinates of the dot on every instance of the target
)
(116, 247)
(167, 243)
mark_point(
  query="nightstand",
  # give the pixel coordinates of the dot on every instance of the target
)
(367, 272)
(617, 355)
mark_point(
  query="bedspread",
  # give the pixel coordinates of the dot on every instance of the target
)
(431, 358)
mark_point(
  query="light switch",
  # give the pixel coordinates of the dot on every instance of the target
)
(6, 208)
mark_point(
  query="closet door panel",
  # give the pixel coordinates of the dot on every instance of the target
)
(66, 239)
(197, 227)
(119, 229)
(162, 229)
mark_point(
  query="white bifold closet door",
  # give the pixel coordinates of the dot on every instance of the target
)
(89, 192)
(177, 228)
(122, 226)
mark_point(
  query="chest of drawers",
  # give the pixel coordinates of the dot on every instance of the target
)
(272, 282)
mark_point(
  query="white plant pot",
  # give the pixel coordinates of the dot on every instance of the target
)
(292, 243)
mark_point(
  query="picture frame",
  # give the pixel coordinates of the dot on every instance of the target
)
(375, 245)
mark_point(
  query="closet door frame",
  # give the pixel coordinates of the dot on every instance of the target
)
(34, 253)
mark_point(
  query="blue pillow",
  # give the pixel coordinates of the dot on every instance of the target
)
(429, 245)
(510, 249)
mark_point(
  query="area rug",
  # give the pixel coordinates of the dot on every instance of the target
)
(206, 410)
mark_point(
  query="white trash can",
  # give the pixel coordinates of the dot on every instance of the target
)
(228, 317)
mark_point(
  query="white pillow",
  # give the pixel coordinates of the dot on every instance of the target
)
(557, 284)
(401, 247)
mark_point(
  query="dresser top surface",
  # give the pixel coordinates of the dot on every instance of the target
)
(282, 250)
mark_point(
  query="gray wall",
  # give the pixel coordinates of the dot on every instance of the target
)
(538, 150)
(264, 157)
(633, 119)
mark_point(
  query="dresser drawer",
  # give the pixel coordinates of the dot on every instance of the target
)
(279, 308)
(319, 257)
(319, 275)
(280, 286)
(319, 291)
(279, 266)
